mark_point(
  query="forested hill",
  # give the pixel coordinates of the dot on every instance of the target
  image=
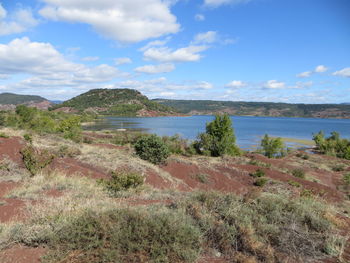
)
(205, 107)
(121, 102)
(15, 99)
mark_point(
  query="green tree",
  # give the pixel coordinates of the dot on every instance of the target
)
(219, 138)
(273, 147)
(152, 149)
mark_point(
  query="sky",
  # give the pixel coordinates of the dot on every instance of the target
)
(295, 51)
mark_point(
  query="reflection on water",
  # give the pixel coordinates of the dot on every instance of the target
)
(248, 130)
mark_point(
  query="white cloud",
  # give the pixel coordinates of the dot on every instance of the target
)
(126, 21)
(155, 43)
(236, 84)
(154, 69)
(90, 58)
(320, 69)
(122, 61)
(165, 54)
(49, 68)
(216, 3)
(20, 21)
(274, 84)
(345, 72)
(305, 74)
(301, 85)
(199, 17)
(206, 38)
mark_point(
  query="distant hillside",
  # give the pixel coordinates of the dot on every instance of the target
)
(10, 98)
(121, 102)
(208, 107)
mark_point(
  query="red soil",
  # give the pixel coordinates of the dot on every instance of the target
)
(155, 180)
(12, 210)
(5, 187)
(21, 254)
(74, 167)
(11, 148)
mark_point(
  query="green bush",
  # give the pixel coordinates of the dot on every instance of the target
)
(258, 173)
(298, 173)
(3, 135)
(219, 138)
(71, 128)
(346, 178)
(121, 182)
(273, 147)
(260, 182)
(28, 137)
(35, 160)
(152, 148)
(293, 183)
(333, 145)
(338, 168)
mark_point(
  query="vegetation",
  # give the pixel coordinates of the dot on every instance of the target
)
(260, 182)
(298, 173)
(258, 108)
(219, 138)
(121, 102)
(346, 179)
(35, 160)
(152, 148)
(258, 173)
(334, 145)
(121, 182)
(273, 147)
(10, 98)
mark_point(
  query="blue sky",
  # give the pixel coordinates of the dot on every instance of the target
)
(242, 50)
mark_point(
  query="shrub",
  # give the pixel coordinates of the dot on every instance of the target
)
(35, 160)
(338, 168)
(258, 173)
(346, 178)
(333, 145)
(260, 182)
(152, 148)
(71, 128)
(273, 147)
(126, 235)
(121, 182)
(219, 138)
(68, 151)
(3, 135)
(293, 183)
(298, 173)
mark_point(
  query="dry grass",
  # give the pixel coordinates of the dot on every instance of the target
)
(10, 171)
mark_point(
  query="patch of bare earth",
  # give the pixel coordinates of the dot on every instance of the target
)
(21, 254)
(11, 148)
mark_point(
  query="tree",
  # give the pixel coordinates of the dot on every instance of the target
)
(273, 147)
(219, 138)
(152, 148)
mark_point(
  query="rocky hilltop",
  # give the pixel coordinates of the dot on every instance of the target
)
(9, 101)
(121, 102)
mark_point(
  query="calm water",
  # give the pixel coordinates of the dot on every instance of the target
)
(248, 130)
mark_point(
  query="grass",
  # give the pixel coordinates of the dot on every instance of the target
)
(10, 171)
(299, 173)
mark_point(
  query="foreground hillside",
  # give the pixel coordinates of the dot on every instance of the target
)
(121, 102)
(8, 101)
(189, 209)
(204, 107)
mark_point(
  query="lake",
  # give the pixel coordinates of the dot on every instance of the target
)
(248, 130)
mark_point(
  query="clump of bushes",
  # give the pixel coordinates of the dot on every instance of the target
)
(258, 173)
(273, 147)
(219, 138)
(260, 182)
(298, 173)
(122, 181)
(333, 145)
(35, 160)
(152, 148)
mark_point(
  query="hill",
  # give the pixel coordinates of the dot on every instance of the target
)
(208, 107)
(10, 98)
(121, 102)
(8, 101)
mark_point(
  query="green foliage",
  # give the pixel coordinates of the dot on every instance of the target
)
(298, 173)
(293, 183)
(152, 148)
(176, 144)
(258, 173)
(219, 138)
(303, 156)
(338, 168)
(71, 128)
(273, 147)
(333, 145)
(260, 182)
(35, 160)
(122, 182)
(127, 235)
(125, 109)
(28, 137)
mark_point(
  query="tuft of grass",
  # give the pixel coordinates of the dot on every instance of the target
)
(121, 181)
(346, 179)
(203, 178)
(259, 163)
(28, 137)
(4, 135)
(68, 151)
(338, 168)
(258, 173)
(260, 182)
(293, 183)
(298, 173)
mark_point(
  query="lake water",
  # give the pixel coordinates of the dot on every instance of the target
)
(248, 130)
